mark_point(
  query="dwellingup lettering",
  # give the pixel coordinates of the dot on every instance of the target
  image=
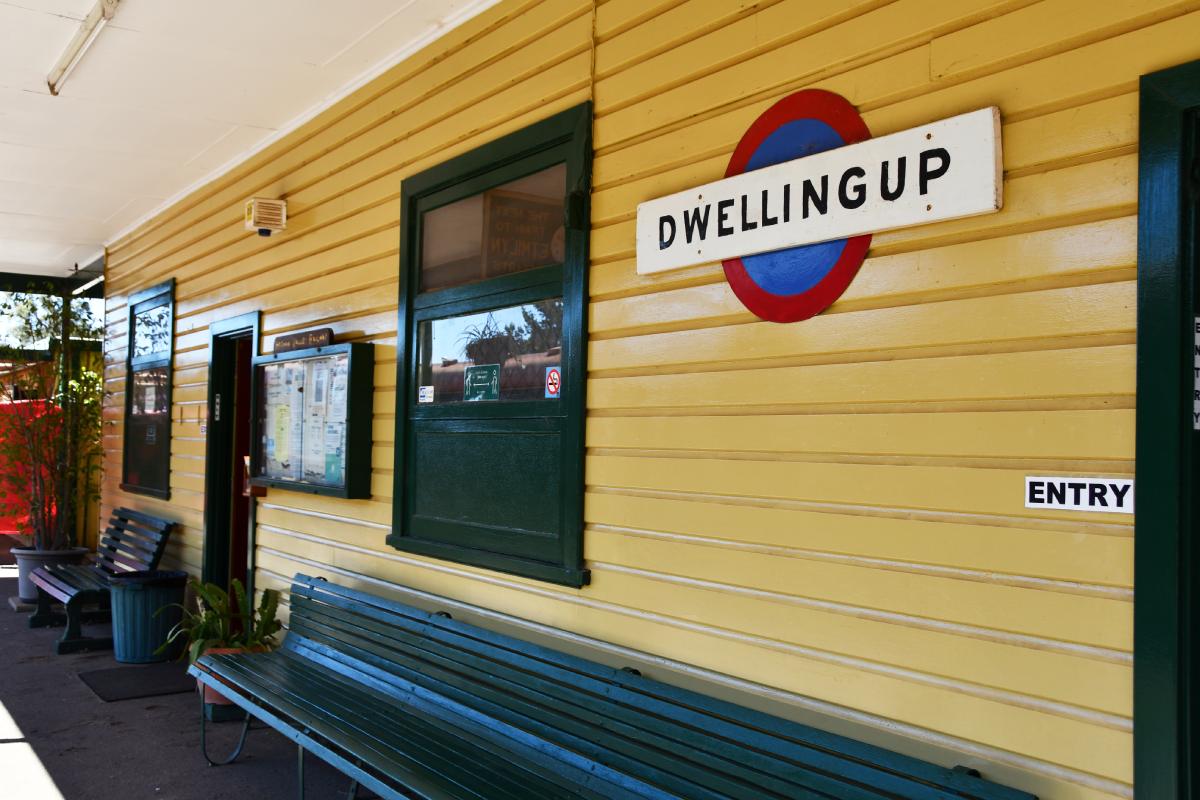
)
(852, 188)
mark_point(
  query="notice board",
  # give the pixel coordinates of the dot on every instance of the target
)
(313, 420)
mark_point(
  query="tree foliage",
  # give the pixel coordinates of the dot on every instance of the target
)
(50, 432)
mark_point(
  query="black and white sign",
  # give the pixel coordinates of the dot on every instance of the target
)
(1111, 495)
(944, 170)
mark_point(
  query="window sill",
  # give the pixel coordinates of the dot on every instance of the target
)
(538, 570)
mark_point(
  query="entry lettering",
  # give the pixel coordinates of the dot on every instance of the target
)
(1112, 495)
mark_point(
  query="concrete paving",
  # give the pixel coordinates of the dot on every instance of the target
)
(62, 741)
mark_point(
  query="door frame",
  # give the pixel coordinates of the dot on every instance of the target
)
(219, 445)
(1165, 589)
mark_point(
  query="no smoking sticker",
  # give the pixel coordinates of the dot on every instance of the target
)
(553, 381)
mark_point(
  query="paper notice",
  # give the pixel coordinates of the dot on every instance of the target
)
(294, 382)
(314, 449)
(282, 434)
(318, 379)
(335, 434)
(337, 390)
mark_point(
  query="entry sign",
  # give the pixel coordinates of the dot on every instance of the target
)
(1111, 495)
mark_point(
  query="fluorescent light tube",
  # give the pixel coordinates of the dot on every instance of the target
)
(81, 289)
(89, 29)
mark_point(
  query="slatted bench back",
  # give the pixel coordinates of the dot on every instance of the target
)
(685, 743)
(132, 541)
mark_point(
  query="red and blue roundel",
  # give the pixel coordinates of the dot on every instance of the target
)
(799, 282)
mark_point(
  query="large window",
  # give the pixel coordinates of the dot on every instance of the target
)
(147, 460)
(490, 373)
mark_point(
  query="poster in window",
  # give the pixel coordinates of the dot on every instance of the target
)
(520, 232)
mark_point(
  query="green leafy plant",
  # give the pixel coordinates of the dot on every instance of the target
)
(51, 389)
(223, 621)
(488, 343)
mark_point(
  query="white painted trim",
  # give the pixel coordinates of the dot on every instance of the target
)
(468, 11)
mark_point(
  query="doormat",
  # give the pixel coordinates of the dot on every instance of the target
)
(143, 680)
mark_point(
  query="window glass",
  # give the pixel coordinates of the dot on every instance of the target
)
(513, 227)
(149, 391)
(152, 331)
(148, 430)
(303, 409)
(146, 466)
(501, 354)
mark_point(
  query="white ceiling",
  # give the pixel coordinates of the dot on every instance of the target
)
(169, 96)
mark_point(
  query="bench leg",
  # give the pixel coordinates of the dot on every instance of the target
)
(300, 771)
(73, 639)
(97, 615)
(43, 616)
(237, 751)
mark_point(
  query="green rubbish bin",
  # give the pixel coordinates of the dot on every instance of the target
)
(137, 625)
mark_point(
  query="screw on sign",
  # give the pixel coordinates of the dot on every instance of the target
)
(553, 381)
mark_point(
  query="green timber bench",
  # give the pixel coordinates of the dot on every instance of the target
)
(132, 541)
(414, 704)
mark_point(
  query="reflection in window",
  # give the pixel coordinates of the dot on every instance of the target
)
(516, 345)
(512, 228)
(148, 434)
(152, 331)
(149, 392)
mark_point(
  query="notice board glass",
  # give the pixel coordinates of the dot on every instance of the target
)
(313, 420)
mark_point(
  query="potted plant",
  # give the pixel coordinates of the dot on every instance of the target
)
(51, 398)
(224, 624)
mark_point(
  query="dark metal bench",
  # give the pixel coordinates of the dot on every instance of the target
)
(132, 541)
(413, 704)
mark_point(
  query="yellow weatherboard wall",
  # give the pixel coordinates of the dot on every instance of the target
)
(832, 509)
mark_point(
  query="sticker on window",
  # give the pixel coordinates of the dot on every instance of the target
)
(482, 382)
(553, 381)
(425, 394)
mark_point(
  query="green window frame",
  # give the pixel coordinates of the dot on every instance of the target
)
(146, 454)
(497, 485)
(1166, 647)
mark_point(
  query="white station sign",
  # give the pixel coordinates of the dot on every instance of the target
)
(943, 170)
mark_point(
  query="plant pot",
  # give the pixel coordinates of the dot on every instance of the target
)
(29, 559)
(211, 695)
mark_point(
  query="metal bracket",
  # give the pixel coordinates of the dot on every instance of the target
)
(237, 751)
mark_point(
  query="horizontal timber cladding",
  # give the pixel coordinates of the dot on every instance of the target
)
(830, 510)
